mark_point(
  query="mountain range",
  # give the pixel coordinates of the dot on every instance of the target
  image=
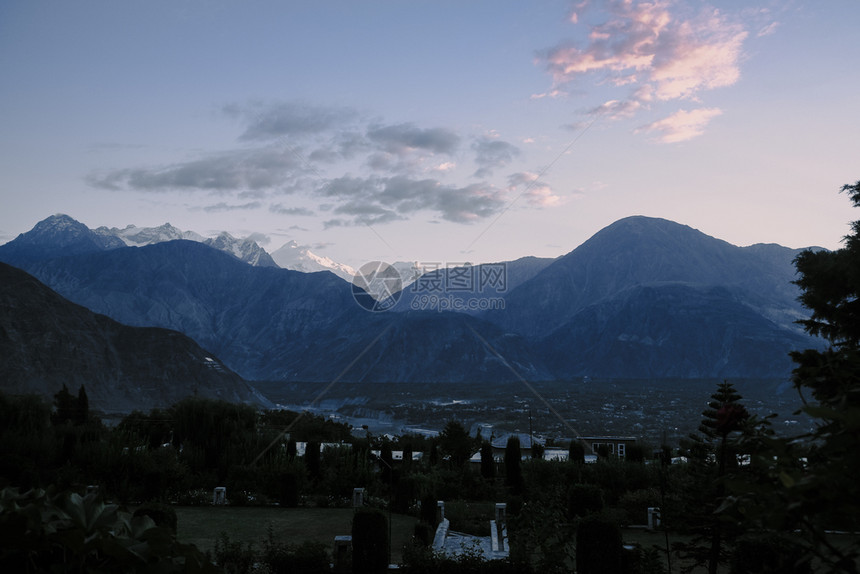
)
(47, 341)
(643, 298)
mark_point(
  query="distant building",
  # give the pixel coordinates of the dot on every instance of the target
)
(617, 446)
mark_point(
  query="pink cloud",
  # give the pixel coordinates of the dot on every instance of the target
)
(653, 51)
(536, 192)
(682, 125)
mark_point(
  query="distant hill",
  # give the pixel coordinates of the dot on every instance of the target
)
(481, 282)
(47, 341)
(644, 297)
(642, 251)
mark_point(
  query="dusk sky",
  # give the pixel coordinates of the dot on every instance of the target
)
(432, 131)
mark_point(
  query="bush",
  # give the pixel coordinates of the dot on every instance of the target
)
(424, 534)
(598, 546)
(635, 504)
(769, 553)
(306, 558)
(161, 514)
(232, 556)
(369, 541)
(417, 560)
(470, 517)
(42, 531)
(584, 499)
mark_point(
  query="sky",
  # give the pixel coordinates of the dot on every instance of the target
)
(444, 132)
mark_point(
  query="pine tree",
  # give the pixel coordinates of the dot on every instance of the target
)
(710, 454)
(488, 462)
(513, 461)
(82, 407)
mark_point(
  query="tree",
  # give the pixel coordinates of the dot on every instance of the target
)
(369, 541)
(455, 443)
(711, 453)
(825, 492)
(488, 461)
(312, 459)
(576, 452)
(82, 407)
(513, 461)
(598, 546)
(64, 406)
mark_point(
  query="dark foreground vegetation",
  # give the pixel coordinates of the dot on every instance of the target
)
(744, 500)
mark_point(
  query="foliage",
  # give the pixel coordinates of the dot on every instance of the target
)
(43, 531)
(369, 541)
(488, 461)
(598, 546)
(583, 500)
(513, 461)
(541, 536)
(455, 443)
(312, 459)
(161, 514)
(762, 553)
(306, 558)
(576, 452)
(809, 483)
(712, 455)
(233, 556)
(421, 560)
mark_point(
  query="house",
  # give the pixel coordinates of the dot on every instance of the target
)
(526, 444)
(616, 446)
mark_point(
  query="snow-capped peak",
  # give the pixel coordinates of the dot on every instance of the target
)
(300, 258)
(135, 236)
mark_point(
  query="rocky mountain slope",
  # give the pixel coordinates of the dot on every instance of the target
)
(644, 297)
(47, 341)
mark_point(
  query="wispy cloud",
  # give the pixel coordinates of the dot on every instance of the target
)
(491, 154)
(259, 238)
(536, 192)
(400, 139)
(382, 199)
(222, 206)
(682, 125)
(231, 171)
(653, 51)
(274, 120)
(283, 210)
(355, 170)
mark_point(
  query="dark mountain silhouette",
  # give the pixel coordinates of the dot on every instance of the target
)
(47, 341)
(643, 251)
(644, 297)
(470, 283)
(271, 323)
(56, 236)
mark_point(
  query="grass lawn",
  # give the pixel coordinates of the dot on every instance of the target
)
(201, 525)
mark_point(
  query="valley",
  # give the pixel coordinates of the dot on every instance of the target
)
(653, 411)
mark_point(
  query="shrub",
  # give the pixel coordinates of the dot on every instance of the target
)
(369, 541)
(232, 556)
(635, 504)
(161, 514)
(769, 553)
(306, 558)
(598, 546)
(584, 499)
(424, 534)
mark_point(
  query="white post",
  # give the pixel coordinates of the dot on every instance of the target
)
(653, 517)
(219, 495)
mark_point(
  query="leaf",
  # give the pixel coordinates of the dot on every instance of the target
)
(786, 479)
